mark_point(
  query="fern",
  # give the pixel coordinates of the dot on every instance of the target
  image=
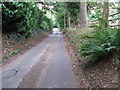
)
(103, 42)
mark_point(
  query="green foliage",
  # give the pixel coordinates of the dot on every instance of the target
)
(44, 22)
(102, 23)
(94, 10)
(66, 8)
(49, 23)
(64, 30)
(44, 25)
(95, 25)
(19, 16)
(73, 8)
(23, 18)
(13, 52)
(103, 43)
(94, 44)
(60, 20)
(59, 17)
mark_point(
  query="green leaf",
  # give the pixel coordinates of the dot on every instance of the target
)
(110, 48)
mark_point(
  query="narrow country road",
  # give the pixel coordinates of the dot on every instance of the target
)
(46, 65)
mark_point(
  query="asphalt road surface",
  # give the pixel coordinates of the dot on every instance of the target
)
(46, 65)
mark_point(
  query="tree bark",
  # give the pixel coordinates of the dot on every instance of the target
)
(64, 20)
(119, 14)
(69, 19)
(83, 14)
(105, 14)
(119, 24)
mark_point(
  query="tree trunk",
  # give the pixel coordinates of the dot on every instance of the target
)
(105, 14)
(83, 14)
(119, 23)
(0, 32)
(69, 19)
(119, 14)
(64, 20)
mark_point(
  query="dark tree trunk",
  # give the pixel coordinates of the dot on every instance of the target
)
(83, 14)
(64, 20)
(105, 14)
(119, 13)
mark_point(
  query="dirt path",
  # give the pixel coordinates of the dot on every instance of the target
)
(44, 66)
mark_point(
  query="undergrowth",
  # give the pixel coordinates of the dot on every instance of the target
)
(13, 52)
(95, 44)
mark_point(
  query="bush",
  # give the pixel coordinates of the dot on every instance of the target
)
(44, 26)
(14, 52)
(47, 25)
(23, 18)
(102, 43)
(19, 17)
(93, 44)
(64, 30)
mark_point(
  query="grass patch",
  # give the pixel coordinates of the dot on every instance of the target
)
(13, 52)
